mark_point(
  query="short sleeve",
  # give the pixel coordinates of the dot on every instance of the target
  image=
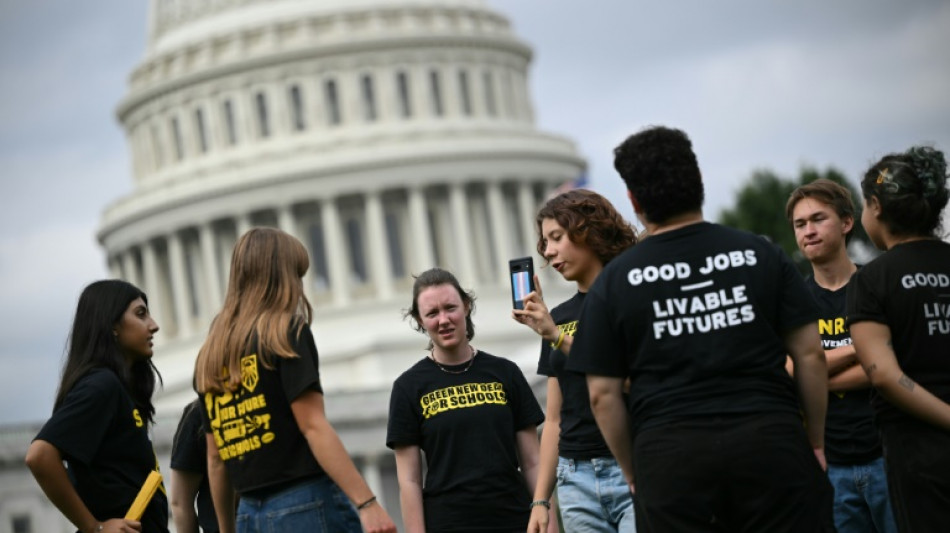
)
(78, 426)
(798, 303)
(405, 424)
(189, 447)
(525, 409)
(863, 302)
(598, 347)
(301, 373)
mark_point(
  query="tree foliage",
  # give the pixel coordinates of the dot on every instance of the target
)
(760, 208)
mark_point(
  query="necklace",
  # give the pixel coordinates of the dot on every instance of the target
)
(446, 370)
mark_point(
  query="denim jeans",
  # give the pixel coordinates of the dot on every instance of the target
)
(313, 505)
(593, 496)
(861, 498)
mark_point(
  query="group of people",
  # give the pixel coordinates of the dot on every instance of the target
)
(695, 381)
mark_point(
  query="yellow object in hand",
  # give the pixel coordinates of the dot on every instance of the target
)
(148, 489)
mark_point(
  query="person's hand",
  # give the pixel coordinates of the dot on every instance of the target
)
(820, 455)
(375, 519)
(535, 314)
(539, 519)
(121, 525)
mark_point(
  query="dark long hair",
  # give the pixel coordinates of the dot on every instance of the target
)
(912, 190)
(92, 344)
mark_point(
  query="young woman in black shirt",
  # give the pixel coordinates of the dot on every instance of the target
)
(899, 316)
(578, 233)
(101, 416)
(262, 405)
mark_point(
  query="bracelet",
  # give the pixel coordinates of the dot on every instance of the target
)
(560, 340)
(536, 503)
(366, 504)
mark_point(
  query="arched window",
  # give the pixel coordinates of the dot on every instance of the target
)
(263, 126)
(333, 102)
(176, 139)
(230, 127)
(402, 87)
(296, 108)
(200, 130)
(489, 82)
(435, 90)
(465, 96)
(369, 98)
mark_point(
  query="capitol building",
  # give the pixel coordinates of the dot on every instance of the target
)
(388, 136)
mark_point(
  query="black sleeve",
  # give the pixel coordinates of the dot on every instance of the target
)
(524, 406)
(404, 426)
(301, 373)
(598, 345)
(798, 303)
(77, 428)
(863, 301)
(189, 447)
(544, 361)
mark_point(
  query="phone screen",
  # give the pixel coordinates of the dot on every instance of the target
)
(520, 287)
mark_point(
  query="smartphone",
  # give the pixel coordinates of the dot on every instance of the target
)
(522, 280)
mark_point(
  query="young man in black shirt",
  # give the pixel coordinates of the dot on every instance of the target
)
(700, 317)
(822, 216)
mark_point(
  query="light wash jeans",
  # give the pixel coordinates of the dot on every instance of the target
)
(594, 497)
(315, 505)
(861, 499)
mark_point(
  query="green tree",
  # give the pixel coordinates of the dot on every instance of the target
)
(760, 208)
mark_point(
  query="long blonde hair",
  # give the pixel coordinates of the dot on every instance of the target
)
(264, 300)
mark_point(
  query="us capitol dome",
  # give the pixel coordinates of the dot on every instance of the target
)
(388, 136)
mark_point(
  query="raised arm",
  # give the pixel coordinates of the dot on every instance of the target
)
(409, 474)
(875, 351)
(811, 375)
(610, 412)
(46, 464)
(327, 448)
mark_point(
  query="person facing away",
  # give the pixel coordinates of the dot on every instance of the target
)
(822, 217)
(190, 497)
(898, 308)
(473, 415)
(579, 232)
(101, 415)
(262, 408)
(699, 317)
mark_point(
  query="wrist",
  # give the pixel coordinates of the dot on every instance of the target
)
(540, 503)
(370, 501)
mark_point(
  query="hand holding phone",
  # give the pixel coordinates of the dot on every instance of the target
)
(521, 271)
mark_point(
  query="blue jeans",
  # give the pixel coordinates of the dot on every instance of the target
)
(593, 496)
(861, 498)
(313, 505)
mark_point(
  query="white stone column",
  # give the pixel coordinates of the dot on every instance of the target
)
(501, 229)
(421, 232)
(373, 478)
(335, 251)
(176, 266)
(378, 247)
(212, 297)
(114, 265)
(458, 203)
(242, 224)
(156, 300)
(128, 267)
(288, 224)
(528, 210)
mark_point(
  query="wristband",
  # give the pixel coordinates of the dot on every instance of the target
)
(560, 339)
(545, 503)
(366, 504)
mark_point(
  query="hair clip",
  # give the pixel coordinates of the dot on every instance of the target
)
(886, 182)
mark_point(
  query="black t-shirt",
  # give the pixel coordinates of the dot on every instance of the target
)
(580, 438)
(466, 425)
(254, 427)
(105, 442)
(850, 434)
(695, 318)
(190, 454)
(908, 289)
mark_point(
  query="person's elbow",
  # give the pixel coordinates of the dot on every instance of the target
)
(603, 392)
(39, 454)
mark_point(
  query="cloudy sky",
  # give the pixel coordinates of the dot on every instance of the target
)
(755, 84)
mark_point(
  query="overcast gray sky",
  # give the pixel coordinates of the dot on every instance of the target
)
(755, 84)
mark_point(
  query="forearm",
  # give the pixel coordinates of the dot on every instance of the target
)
(610, 413)
(905, 393)
(46, 465)
(840, 359)
(811, 377)
(183, 489)
(852, 378)
(410, 503)
(330, 453)
(222, 493)
(547, 465)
